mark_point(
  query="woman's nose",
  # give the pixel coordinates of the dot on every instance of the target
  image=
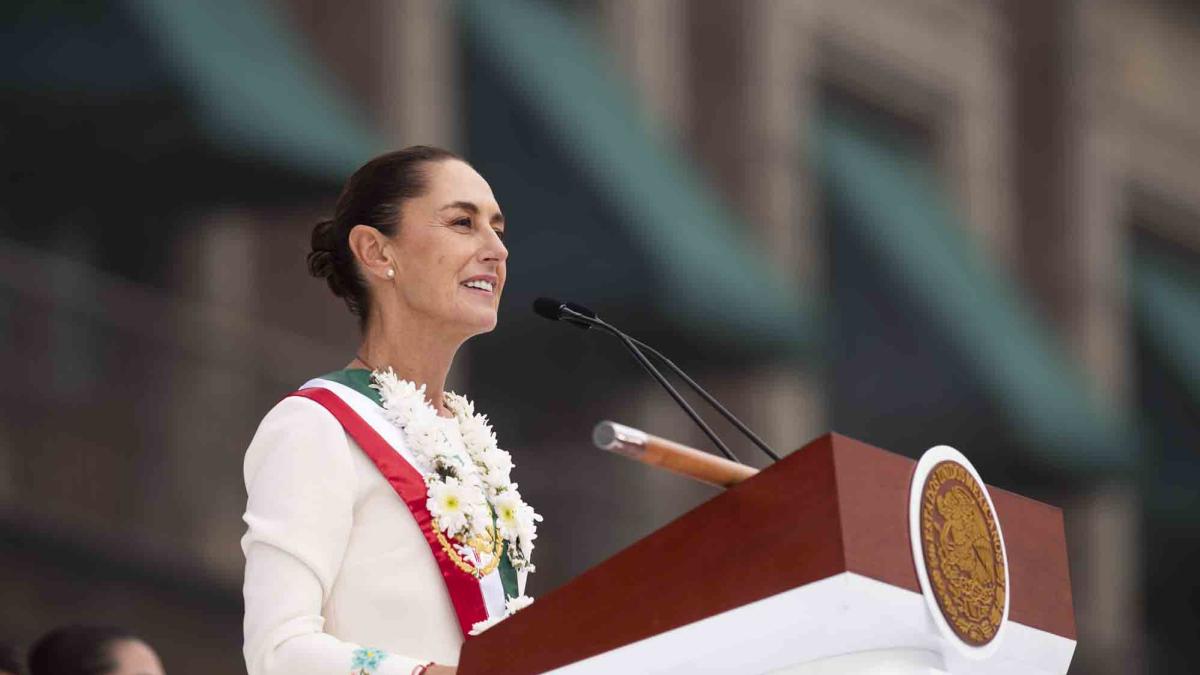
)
(495, 248)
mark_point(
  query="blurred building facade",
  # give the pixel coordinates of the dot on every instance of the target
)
(911, 221)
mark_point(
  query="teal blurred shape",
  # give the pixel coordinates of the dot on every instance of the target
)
(1166, 302)
(709, 276)
(258, 93)
(903, 218)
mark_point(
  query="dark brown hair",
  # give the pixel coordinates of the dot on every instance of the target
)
(77, 650)
(373, 196)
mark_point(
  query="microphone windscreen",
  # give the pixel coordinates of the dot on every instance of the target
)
(579, 309)
(548, 308)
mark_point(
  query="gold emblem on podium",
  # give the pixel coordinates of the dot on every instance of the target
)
(963, 553)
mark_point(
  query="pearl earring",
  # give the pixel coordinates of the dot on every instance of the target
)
(391, 273)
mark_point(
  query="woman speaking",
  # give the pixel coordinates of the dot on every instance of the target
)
(382, 525)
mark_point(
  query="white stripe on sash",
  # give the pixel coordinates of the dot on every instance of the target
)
(490, 586)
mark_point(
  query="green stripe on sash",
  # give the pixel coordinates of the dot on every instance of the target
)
(358, 379)
(508, 575)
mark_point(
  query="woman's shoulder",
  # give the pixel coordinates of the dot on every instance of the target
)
(348, 385)
(300, 410)
(300, 428)
(292, 411)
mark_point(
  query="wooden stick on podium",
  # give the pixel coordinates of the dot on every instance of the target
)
(669, 455)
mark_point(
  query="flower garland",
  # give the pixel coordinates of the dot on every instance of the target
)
(511, 606)
(471, 497)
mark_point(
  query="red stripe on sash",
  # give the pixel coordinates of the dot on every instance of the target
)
(464, 589)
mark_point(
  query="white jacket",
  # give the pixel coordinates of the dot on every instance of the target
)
(334, 560)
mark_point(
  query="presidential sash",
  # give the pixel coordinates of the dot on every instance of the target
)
(474, 599)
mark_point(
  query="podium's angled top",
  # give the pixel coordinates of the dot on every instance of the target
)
(837, 505)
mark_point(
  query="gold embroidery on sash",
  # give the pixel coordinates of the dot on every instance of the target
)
(490, 545)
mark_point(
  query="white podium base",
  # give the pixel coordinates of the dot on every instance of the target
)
(874, 662)
(827, 627)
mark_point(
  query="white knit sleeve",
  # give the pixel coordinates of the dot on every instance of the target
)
(300, 485)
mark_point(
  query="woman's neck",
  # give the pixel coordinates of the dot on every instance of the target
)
(415, 352)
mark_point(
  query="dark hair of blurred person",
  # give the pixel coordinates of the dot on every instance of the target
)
(9, 664)
(93, 650)
(373, 196)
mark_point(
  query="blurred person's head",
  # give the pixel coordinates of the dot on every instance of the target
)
(93, 650)
(415, 238)
(9, 664)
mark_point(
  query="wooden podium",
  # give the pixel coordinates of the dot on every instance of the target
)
(805, 568)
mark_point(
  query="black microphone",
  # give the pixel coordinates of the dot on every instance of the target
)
(555, 310)
(582, 317)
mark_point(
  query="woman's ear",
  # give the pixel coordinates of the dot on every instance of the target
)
(373, 251)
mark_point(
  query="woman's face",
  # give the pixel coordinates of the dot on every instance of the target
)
(450, 260)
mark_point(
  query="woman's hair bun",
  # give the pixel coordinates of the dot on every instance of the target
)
(320, 258)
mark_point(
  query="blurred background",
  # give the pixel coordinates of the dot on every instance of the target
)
(913, 222)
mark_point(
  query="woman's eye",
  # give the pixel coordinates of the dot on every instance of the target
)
(499, 234)
(462, 222)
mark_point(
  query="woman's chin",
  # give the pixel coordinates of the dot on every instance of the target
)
(481, 322)
(485, 328)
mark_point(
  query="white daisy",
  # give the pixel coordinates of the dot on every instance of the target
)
(451, 504)
(508, 513)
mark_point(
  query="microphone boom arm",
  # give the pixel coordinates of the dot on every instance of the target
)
(716, 405)
(649, 368)
(632, 343)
